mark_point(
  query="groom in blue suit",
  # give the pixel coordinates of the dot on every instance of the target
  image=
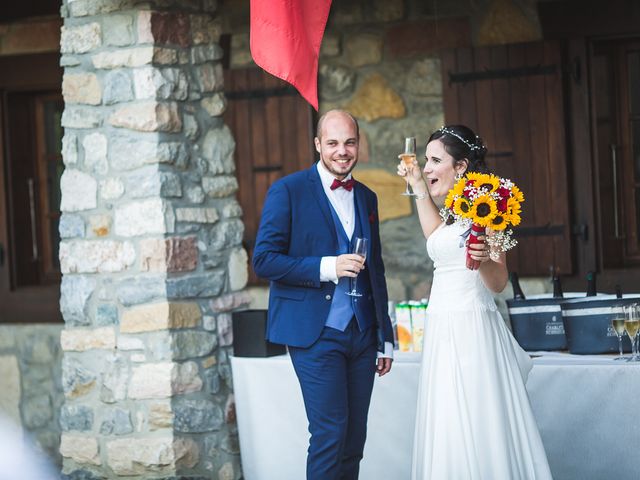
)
(336, 342)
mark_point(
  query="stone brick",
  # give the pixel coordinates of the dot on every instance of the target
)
(162, 84)
(80, 448)
(386, 186)
(427, 37)
(171, 254)
(186, 379)
(160, 416)
(424, 77)
(77, 380)
(232, 209)
(148, 117)
(71, 226)
(231, 301)
(192, 344)
(111, 188)
(505, 23)
(81, 88)
(117, 30)
(151, 381)
(75, 291)
(79, 191)
(118, 87)
(217, 148)
(115, 378)
(221, 186)
(129, 152)
(107, 314)
(100, 225)
(330, 45)
(210, 77)
(197, 215)
(226, 234)
(95, 153)
(95, 256)
(141, 289)
(37, 411)
(375, 99)
(69, 61)
(116, 422)
(206, 53)
(204, 29)
(238, 269)
(363, 49)
(160, 316)
(214, 105)
(150, 182)
(197, 416)
(191, 129)
(163, 28)
(161, 454)
(143, 217)
(225, 332)
(134, 57)
(226, 472)
(80, 39)
(196, 286)
(336, 81)
(83, 8)
(80, 117)
(130, 342)
(80, 340)
(70, 149)
(76, 417)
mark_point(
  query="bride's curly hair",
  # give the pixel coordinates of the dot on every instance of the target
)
(463, 145)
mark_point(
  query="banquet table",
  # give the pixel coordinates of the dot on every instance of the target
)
(586, 408)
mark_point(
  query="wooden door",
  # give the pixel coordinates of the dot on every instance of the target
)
(273, 129)
(512, 97)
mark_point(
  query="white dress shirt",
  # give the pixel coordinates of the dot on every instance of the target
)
(342, 202)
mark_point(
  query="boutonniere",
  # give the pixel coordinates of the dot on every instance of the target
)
(372, 217)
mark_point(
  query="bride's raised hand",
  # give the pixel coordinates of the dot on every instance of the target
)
(411, 172)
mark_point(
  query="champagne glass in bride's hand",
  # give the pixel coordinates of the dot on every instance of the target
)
(408, 157)
(359, 248)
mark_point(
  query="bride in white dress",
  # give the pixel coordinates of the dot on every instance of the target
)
(474, 420)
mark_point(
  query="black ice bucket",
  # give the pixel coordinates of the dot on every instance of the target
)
(249, 327)
(536, 321)
(587, 323)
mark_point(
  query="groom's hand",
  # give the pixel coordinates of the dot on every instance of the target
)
(384, 365)
(349, 265)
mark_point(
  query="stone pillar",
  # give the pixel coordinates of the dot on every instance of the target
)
(151, 243)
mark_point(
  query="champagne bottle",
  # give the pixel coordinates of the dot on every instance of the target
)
(557, 287)
(515, 283)
(591, 284)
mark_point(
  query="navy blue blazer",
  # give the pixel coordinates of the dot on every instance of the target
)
(296, 231)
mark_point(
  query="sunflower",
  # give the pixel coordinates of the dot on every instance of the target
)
(484, 209)
(448, 202)
(499, 222)
(490, 183)
(462, 207)
(514, 219)
(513, 206)
(458, 188)
(478, 178)
(517, 194)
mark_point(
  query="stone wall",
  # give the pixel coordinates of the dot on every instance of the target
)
(151, 250)
(31, 382)
(379, 60)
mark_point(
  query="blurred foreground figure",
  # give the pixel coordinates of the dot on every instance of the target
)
(18, 459)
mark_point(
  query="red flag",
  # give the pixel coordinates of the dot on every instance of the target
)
(285, 41)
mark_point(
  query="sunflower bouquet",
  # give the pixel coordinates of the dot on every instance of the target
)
(482, 201)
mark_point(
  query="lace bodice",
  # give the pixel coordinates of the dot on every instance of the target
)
(455, 287)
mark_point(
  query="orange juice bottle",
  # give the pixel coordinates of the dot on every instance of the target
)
(403, 324)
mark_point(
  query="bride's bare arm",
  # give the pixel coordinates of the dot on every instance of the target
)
(494, 273)
(427, 210)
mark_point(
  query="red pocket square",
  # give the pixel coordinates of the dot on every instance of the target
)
(372, 217)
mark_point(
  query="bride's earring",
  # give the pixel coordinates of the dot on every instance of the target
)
(458, 176)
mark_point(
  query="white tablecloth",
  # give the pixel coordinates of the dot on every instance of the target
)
(587, 408)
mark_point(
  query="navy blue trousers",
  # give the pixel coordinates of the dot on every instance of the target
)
(336, 376)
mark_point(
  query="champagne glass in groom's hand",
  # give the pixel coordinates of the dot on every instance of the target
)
(359, 248)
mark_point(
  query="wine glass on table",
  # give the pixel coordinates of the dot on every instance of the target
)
(408, 157)
(631, 325)
(617, 322)
(359, 248)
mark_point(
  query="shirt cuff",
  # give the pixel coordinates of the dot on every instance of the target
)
(388, 351)
(328, 270)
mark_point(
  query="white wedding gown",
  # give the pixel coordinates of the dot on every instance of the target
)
(474, 420)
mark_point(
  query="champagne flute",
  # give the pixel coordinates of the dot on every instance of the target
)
(359, 248)
(631, 325)
(408, 157)
(617, 322)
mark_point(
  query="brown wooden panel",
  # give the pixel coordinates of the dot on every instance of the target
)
(467, 91)
(449, 90)
(540, 158)
(484, 102)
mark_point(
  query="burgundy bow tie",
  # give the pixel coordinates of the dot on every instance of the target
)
(347, 184)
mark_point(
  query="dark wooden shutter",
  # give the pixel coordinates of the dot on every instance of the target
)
(273, 128)
(512, 96)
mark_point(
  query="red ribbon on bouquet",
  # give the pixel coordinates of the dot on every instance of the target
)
(476, 231)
